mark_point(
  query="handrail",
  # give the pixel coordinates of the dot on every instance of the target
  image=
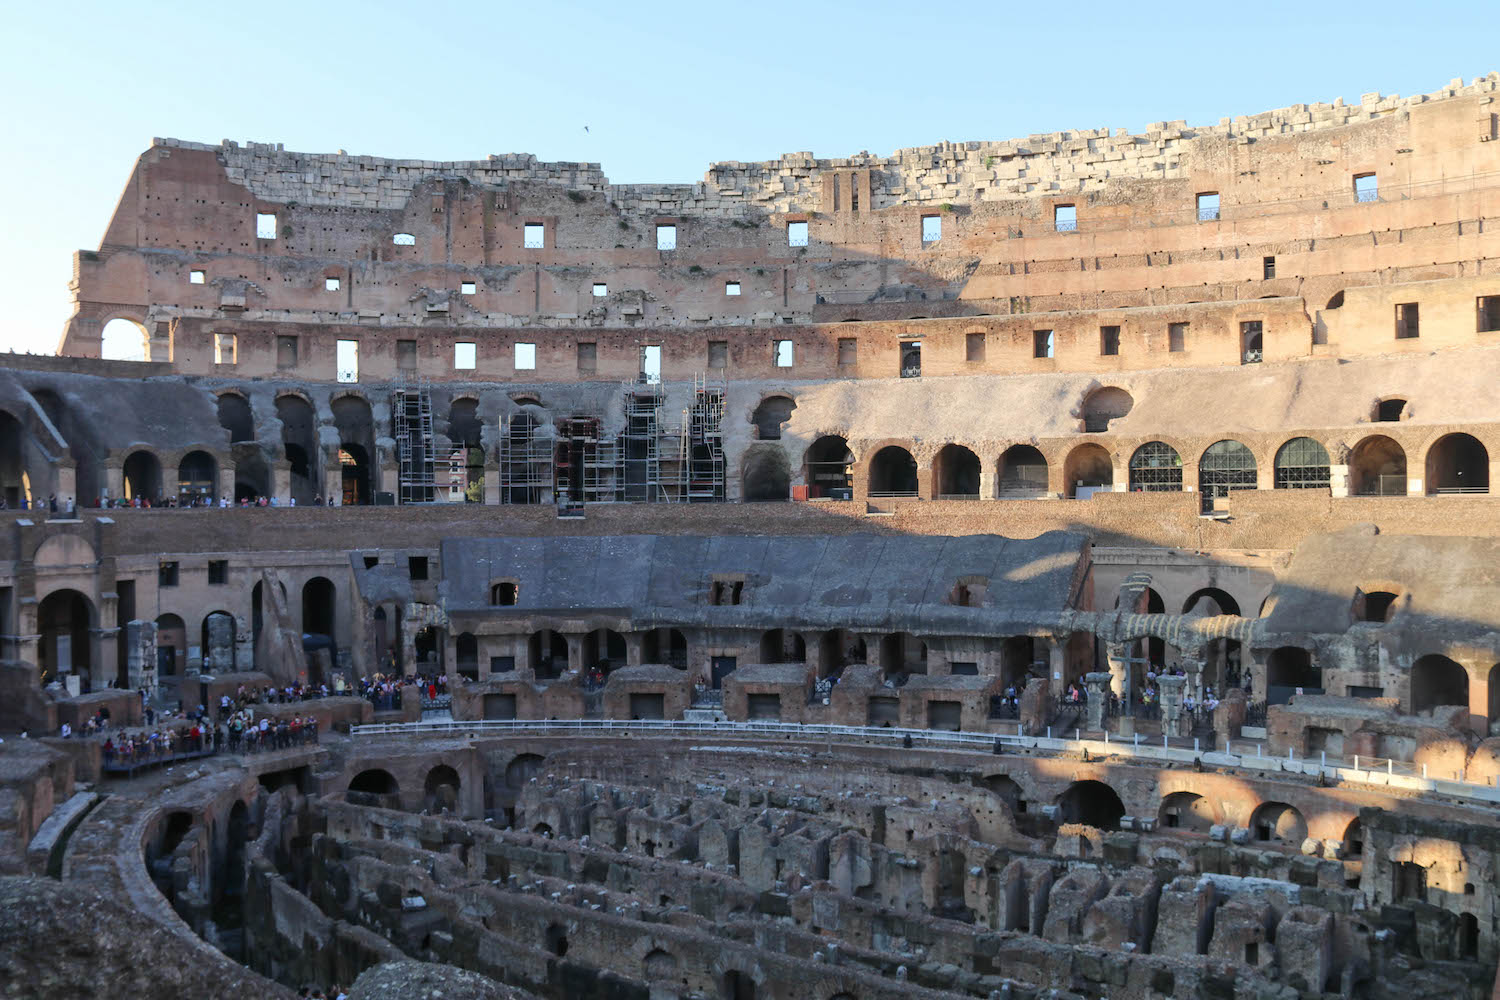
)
(1409, 776)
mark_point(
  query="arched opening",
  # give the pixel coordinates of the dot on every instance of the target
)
(300, 443)
(1022, 473)
(829, 464)
(1335, 301)
(780, 645)
(142, 474)
(1103, 406)
(1302, 464)
(1008, 792)
(603, 652)
(659, 964)
(1155, 467)
(521, 769)
(770, 415)
(1354, 839)
(767, 474)
(549, 654)
(738, 985)
(1210, 602)
(1224, 467)
(124, 340)
(955, 473)
(1088, 470)
(557, 940)
(1458, 463)
(318, 611)
(237, 833)
(14, 482)
(902, 653)
(1222, 658)
(1186, 811)
(839, 648)
(376, 787)
(664, 645)
(440, 791)
(466, 653)
(466, 432)
(1289, 671)
(1091, 803)
(1468, 937)
(356, 454)
(197, 474)
(1389, 411)
(1377, 468)
(171, 646)
(1277, 822)
(1437, 681)
(217, 642)
(235, 417)
(504, 594)
(893, 473)
(65, 619)
(1376, 607)
(428, 646)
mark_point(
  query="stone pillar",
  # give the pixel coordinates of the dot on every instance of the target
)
(492, 486)
(1057, 665)
(1194, 667)
(140, 655)
(1097, 685)
(333, 483)
(987, 485)
(1338, 480)
(281, 482)
(1257, 668)
(114, 480)
(67, 480)
(635, 647)
(219, 656)
(575, 653)
(226, 481)
(1170, 688)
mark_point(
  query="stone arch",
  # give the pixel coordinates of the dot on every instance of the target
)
(142, 475)
(465, 428)
(65, 623)
(197, 476)
(236, 416)
(299, 442)
(1021, 473)
(441, 789)
(1103, 406)
(1091, 803)
(893, 473)
(549, 654)
(124, 339)
(1388, 410)
(1088, 467)
(659, 964)
(374, 786)
(1437, 681)
(771, 414)
(779, 645)
(955, 473)
(15, 481)
(171, 645)
(902, 653)
(522, 768)
(766, 474)
(828, 465)
(1008, 790)
(1212, 600)
(1277, 822)
(466, 655)
(604, 650)
(319, 610)
(217, 641)
(1155, 467)
(1377, 467)
(1301, 463)
(1225, 466)
(355, 423)
(1186, 811)
(1457, 463)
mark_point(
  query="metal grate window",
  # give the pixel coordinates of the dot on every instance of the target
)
(1225, 466)
(1302, 464)
(1156, 468)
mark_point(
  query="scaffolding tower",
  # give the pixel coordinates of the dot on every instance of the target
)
(588, 468)
(703, 441)
(525, 460)
(413, 426)
(640, 442)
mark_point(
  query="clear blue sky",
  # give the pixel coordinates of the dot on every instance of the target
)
(665, 88)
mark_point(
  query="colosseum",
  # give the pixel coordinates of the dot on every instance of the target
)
(1053, 569)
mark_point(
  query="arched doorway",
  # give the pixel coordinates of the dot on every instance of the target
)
(1437, 681)
(196, 476)
(1087, 470)
(142, 473)
(318, 609)
(1290, 669)
(356, 453)
(767, 474)
(14, 483)
(354, 467)
(1186, 811)
(955, 473)
(1104, 406)
(902, 653)
(1022, 473)
(171, 646)
(1277, 822)
(466, 655)
(1458, 463)
(124, 340)
(829, 462)
(893, 473)
(1302, 464)
(549, 654)
(1377, 468)
(1224, 467)
(780, 645)
(65, 620)
(235, 416)
(665, 645)
(441, 790)
(839, 648)
(1223, 656)
(1091, 803)
(427, 644)
(770, 415)
(1155, 467)
(604, 651)
(299, 441)
(466, 433)
(217, 642)
(376, 787)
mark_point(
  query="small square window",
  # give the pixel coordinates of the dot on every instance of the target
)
(404, 240)
(1268, 268)
(1489, 313)
(371, 562)
(588, 357)
(166, 574)
(848, 351)
(224, 344)
(796, 234)
(218, 571)
(286, 352)
(534, 237)
(974, 347)
(416, 567)
(1177, 337)
(1065, 218)
(731, 288)
(718, 354)
(331, 284)
(467, 288)
(1041, 343)
(600, 289)
(525, 357)
(932, 228)
(406, 355)
(1366, 188)
(196, 277)
(1407, 326)
(1109, 340)
(465, 356)
(666, 237)
(1208, 207)
(782, 351)
(265, 226)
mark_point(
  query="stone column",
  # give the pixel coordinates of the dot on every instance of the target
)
(492, 486)
(140, 655)
(114, 480)
(1338, 480)
(67, 480)
(987, 485)
(1097, 685)
(219, 656)
(635, 648)
(1194, 667)
(226, 481)
(1057, 665)
(1170, 688)
(281, 482)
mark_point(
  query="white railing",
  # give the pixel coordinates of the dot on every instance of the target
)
(1358, 770)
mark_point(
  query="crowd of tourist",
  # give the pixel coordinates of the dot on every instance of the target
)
(67, 505)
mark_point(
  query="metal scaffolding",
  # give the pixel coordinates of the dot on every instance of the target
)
(525, 460)
(588, 468)
(640, 441)
(703, 441)
(413, 426)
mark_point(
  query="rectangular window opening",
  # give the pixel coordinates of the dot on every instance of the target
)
(1408, 326)
(468, 288)
(534, 236)
(666, 237)
(1177, 337)
(932, 229)
(1065, 218)
(718, 354)
(911, 359)
(600, 290)
(974, 347)
(286, 352)
(1489, 313)
(525, 357)
(465, 356)
(731, 288)
(265, 226)
(416, 567)
(1366, 188)
(404, 240)
(1208, 206)
(218, 572)
(406, 355)
(346, 360)
(331, 284)
(651, 364)
(588, 357)
(196, 277)
(796, 234)
(224, 345)
(166, 574)
(782, 351)
(1109, 341)
(1041, 343)
(1252, 348)
(1268, 267)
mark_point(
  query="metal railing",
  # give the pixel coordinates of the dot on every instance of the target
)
(1363, 770)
